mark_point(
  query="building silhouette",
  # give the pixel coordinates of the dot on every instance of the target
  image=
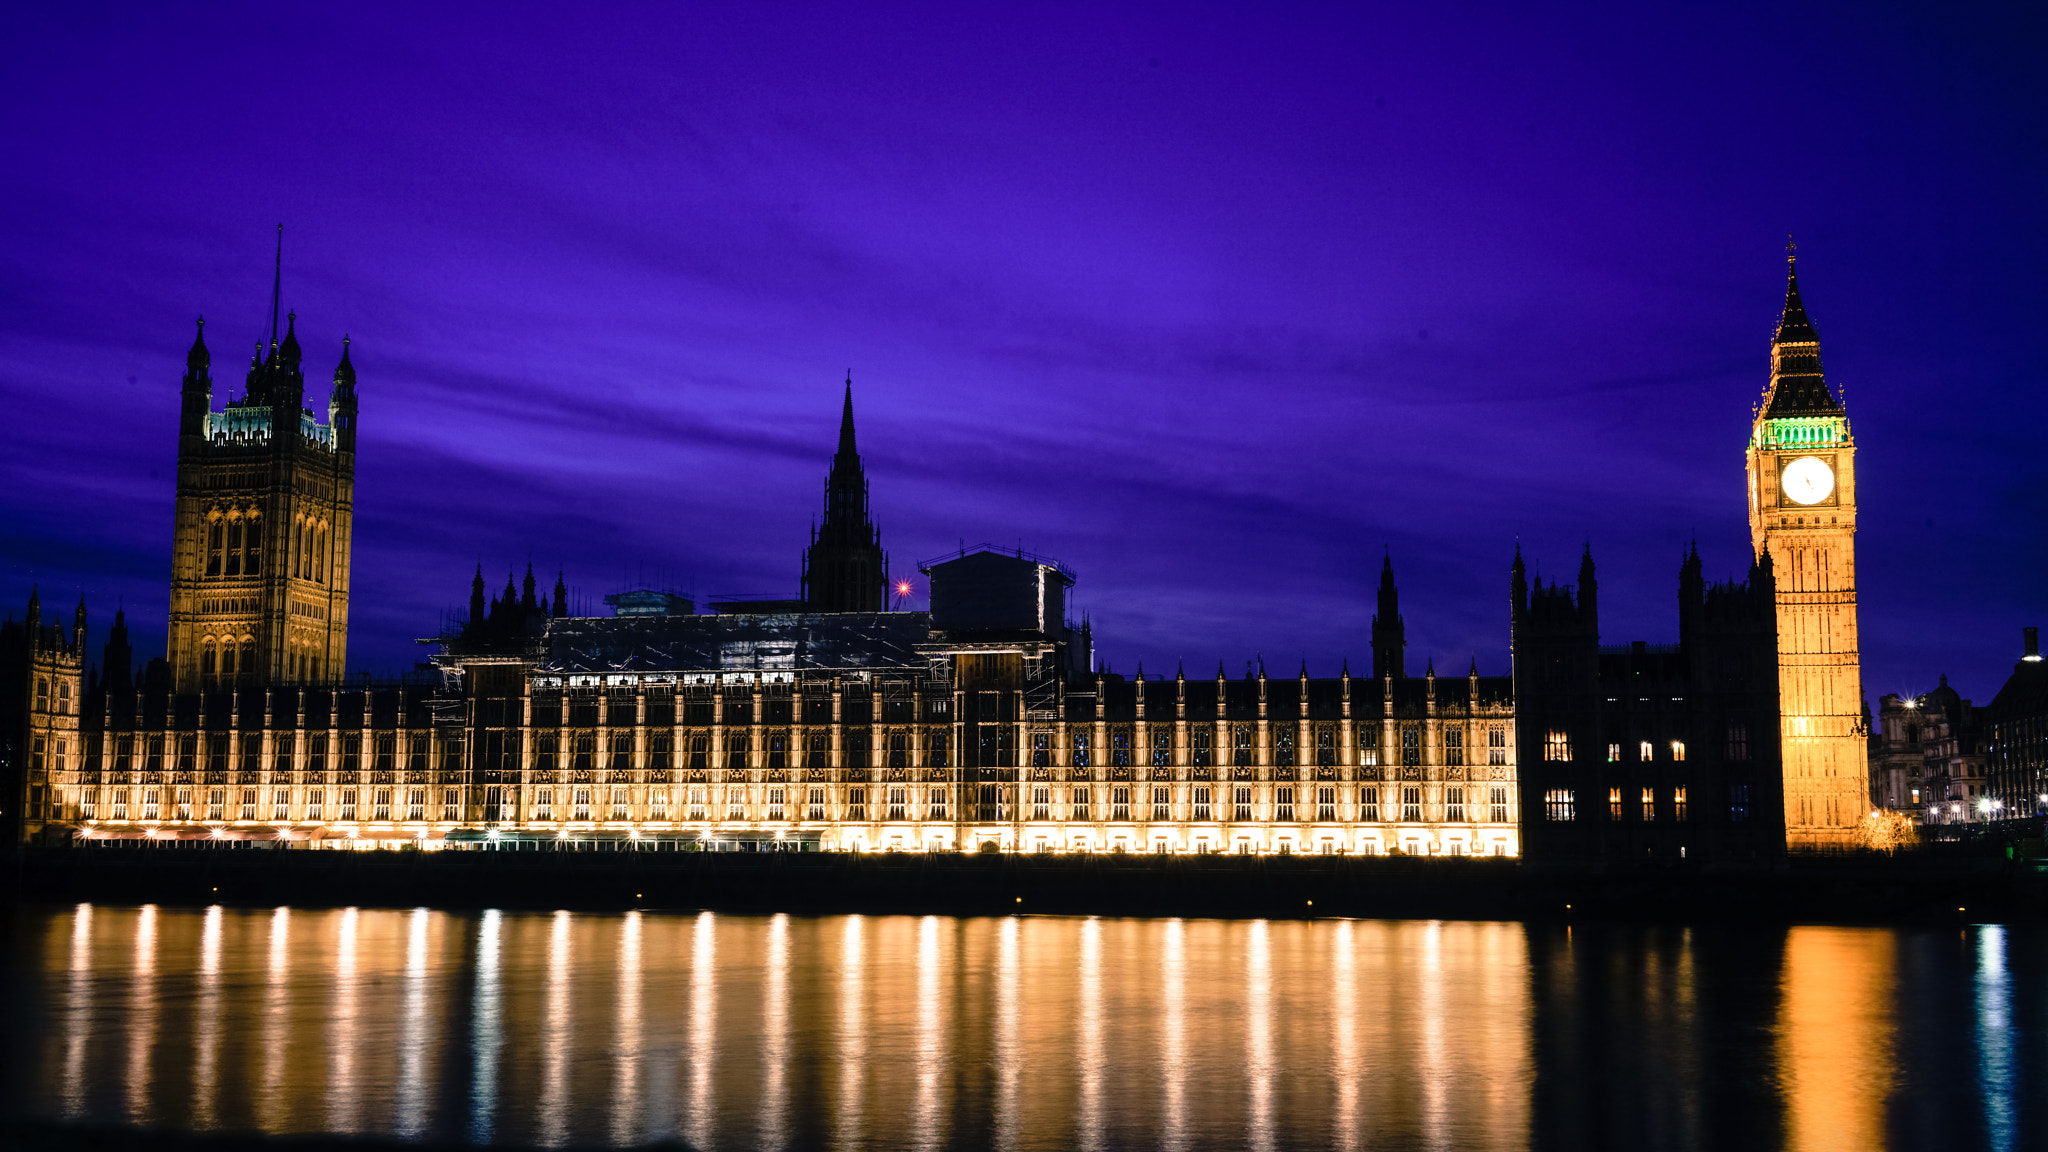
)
(1642, 753)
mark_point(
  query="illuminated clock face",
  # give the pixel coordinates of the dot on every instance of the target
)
(1807, 480)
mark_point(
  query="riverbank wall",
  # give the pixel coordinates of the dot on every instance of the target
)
(1872, 889)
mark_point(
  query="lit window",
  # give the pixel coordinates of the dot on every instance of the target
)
(1326, 805)
(1162, 804)
(1119, 803)
(1649, 804)
(1080, 798)
(1454, 805)
(1041, 803)
(1283, 804)
(1678, 750)
(1645, 751)
(1242, 804)
(1500, 805)
(1614, 804)
(1411, 805)
(1557, 747)
(777, 803)
(1202, 809)
(1557, 805)
(1369, 804)
(1678, 804)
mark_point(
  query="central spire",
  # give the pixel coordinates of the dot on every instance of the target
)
(844, 568)
(846, 448)
(1797, 387)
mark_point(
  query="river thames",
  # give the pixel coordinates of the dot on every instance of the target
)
(1027, 1032)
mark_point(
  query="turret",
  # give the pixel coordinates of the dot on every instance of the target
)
(476, 599)
(341, 403)
(1589, 593)
(1518, 587)
(1389, 634)
(117, 658)
(78, 629)
(529, 605)
(561, 598)
(196, 394)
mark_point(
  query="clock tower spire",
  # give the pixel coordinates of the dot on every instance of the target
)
(1802, 514)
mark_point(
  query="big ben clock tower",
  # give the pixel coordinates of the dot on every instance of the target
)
(1802, 507)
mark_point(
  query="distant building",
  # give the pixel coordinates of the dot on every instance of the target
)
(2016, 737)
(1898, 768)
(1649, 754)
(1928, 757)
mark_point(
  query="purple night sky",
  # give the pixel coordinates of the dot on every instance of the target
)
(1211, 303)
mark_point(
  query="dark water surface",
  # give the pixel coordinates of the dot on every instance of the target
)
(1029, 1032)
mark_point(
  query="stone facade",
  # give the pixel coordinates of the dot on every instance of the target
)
(1802, 511)
(265, 510)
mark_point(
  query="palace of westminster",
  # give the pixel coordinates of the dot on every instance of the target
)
(984, 724)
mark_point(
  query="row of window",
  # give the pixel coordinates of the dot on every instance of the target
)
(1557, 747)
(185, 804)
(226, 662)
(385, 752)
(587, 751)
(1561, 804)
(58, 701)
(894, 803)
(235, 548)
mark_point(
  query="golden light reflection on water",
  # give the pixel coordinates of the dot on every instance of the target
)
(276, 1025)
(1835, 1037)
(851, 1047)
(932, 1032)
(142, 1006)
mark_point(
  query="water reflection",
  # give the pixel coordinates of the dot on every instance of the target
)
(931, 1041)
(1034, 1032)
(1173, 1042)
(487, 1036)
(77, 1012)
(703, 1030)
(206, 1029)
(1344, 1036)
(1258, 1055)
(142, 1009)
(626, 1050)
(1835, 1037)
(270, 1096)
(1090, 1063)
(342, 1046)
(1994, 1036)
(852, 1041)
(1008, 1043)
